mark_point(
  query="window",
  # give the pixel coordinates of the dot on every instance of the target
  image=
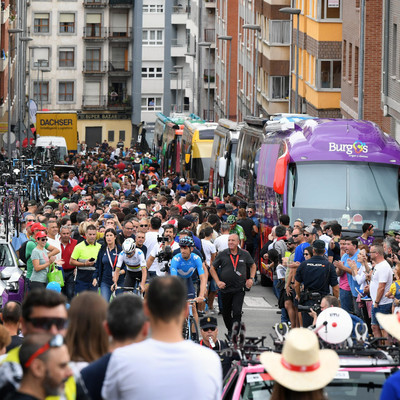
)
(153, 8)
(67, 23)
(41, 23)
(356, 71)
(151, 103)
(279, 32)
(40, 57)
(330, 9)
(350, 61)
(279, 87)
(329, 74)
(121, 136)
(152, 37)
(152, 72)
(41, 91)
(93, 57)
(66, 57)
(344, 50)
(66, 91)
(93, 25)
(110, 136)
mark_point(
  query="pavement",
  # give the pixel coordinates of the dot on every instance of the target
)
(259, 313)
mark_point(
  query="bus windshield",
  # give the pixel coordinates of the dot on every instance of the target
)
(351, 193)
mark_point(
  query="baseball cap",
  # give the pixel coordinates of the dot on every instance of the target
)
(182, 180)
(319, 245)
(40, 234)
(208, 322)
(189, 217)
(77, 187)
(310, 229)
(37, 227)
(221, 206)
(32, 203)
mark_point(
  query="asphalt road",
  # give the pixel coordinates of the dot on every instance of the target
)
(259, 313)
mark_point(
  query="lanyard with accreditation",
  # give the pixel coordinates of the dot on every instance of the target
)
(235, 263)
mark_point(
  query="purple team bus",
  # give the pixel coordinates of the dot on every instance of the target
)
(333, 169)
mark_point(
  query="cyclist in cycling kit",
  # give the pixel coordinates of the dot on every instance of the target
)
(184, 264)
(135, 264)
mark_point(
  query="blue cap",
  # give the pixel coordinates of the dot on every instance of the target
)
(54, 286)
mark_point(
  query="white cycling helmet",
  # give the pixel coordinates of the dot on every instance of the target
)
(129, 246)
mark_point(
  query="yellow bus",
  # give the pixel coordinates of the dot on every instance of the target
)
(197, 143)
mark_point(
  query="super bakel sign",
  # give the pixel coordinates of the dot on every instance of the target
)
(356, 149)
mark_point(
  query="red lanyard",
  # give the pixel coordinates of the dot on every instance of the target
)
(109, 258)
(235, 263)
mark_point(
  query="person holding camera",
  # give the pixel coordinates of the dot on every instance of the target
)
(161, 253)
(317, 274)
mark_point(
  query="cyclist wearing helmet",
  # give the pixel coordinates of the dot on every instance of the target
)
(184, 265)
(235, 228)
(135, 264)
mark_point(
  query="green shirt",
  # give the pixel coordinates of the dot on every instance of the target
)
(238, 230)
(84, 251)
(28, 253)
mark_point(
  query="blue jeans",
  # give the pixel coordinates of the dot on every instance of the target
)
(69, 284)
(277, 292)
(105, 291)
(346, 300)
(383, 309)
(81, 286)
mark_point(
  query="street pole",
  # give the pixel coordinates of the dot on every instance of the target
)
(22, 106)
(228, 83)
(295, 11)
(10, 32)
(193, 78)
(176, 92)
(256, 28)
(208, 44)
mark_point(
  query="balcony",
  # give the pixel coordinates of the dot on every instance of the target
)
(179, 14)
(120, 67)
(94, 33)
(120, 34)
(212, 78)
(118, 102)
(5, 14)
(210, 4)
(208, 116)
(94, 67)
(209, 35)
(178, 47)
(121, 3)
(94, 102)
(94, 3)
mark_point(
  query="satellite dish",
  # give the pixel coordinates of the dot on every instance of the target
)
(12, 137)
(336, 325)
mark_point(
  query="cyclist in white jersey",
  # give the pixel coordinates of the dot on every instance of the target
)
(135, 263)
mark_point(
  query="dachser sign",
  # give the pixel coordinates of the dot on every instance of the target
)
(56, 122)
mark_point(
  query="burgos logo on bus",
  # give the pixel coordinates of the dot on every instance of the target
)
(358, 148)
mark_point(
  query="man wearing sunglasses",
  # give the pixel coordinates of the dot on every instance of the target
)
(43, 311)
(45, 363)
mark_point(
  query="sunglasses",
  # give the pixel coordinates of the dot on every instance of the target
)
(295, 236)
(210, 328)
(54, 342)
(307, 234)
(46, 323)
(30, 220)
(43, 239)
(143, 226)
(306, 254)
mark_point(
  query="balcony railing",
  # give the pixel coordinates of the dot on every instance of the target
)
(180, 9)
(94, 32)
(126, 3)
(209, 35)
(94, 67)
(119, 32)
(178, 42)
(119, 66)
(94, 101)
(212, 75)
(94, 3)
(118, 101)
(208, 115)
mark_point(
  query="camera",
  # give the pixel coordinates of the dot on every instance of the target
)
(315, 297)
(162, 239)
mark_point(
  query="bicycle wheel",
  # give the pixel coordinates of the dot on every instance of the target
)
(193, 330)
(185, 330)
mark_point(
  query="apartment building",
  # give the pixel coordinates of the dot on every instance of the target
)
(390, 96)
(320, 57)
(80, 60)
(370, 103)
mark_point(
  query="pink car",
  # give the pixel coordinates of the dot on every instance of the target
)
(252, 382)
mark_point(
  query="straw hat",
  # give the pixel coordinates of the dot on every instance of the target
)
(390, 323)
(302, 366)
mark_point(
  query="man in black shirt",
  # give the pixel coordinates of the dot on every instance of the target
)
(11, 318)
(231, 279)
(317, 274)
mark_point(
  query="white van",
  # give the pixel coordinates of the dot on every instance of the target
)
(44, 142)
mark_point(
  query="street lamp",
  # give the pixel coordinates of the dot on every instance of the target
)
(10, 32)
(208, 44)
(180, 67)
(38, 84)
(21, 107)
(227, 105)
(175, 73)
(295, 11)
(256, 28)
(194, 79)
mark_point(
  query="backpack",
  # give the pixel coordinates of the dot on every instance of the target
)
(22, 252)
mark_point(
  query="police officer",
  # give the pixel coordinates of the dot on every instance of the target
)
(317, 274)
(209, 334)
